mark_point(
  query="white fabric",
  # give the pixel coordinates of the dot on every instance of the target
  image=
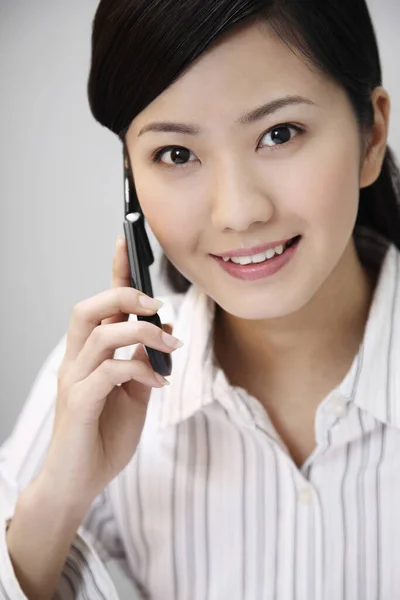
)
(212, 506)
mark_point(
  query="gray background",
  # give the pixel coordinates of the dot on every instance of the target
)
(61, 182)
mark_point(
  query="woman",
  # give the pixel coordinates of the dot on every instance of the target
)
(257, 131)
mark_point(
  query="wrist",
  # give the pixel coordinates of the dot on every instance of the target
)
(51, 499)
(39, 537)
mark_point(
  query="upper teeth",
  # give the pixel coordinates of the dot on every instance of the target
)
(256, 258)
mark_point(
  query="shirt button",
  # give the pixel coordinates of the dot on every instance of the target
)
(306, 495)
(338, 406)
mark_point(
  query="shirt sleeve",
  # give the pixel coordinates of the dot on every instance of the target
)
(21, 457)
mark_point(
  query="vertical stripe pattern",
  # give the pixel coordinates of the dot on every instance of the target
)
(212, 506)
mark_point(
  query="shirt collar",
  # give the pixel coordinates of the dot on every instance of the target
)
(372, 382)
(193, 370)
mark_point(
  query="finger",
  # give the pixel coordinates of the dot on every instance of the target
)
(104, 340)
(136, 389)
(121, 276)
(121, 272)
(133, 388)
(168, 327)
(90, 395)
(89, 314)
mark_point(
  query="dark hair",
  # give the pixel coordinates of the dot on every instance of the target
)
(140, 47)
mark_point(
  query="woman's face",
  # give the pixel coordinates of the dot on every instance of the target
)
(237, 185)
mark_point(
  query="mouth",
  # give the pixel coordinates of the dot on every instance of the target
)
(262, 265)
(261, 256)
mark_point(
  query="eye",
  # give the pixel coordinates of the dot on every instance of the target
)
(179, 156)
(175, 155)
(281, 134)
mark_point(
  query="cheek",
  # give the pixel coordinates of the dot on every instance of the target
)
(172, 217)
(324, 186)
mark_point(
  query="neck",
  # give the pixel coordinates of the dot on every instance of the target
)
(324, 335)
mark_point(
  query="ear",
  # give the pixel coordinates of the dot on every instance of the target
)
(374, 154)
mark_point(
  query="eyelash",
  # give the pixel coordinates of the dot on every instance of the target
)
(156, 157)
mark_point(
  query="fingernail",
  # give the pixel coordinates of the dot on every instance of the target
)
(171, 341)
(161, 379)
(120, 240)
(148, 302)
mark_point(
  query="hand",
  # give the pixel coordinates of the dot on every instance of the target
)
(102, 402)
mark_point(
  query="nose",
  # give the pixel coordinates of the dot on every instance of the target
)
(239, 196)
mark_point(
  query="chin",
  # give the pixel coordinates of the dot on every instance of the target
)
(265, 311)
(258, 303)
(265, 315)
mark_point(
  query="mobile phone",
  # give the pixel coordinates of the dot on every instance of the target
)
(140, 258)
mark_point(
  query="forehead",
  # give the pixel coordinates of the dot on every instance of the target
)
(245, 68)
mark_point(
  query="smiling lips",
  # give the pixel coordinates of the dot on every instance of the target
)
(247, 269)
(271, 248)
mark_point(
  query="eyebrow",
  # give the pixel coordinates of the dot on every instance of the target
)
(250, 117)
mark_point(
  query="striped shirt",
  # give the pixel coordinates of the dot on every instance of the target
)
(212, 507)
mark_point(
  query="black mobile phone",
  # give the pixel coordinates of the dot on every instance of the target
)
(140, 258)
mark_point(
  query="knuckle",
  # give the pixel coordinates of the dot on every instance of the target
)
(146, 371)
(141, 328)
(132, 294)
(108, 367)
(80, 309)
(147, 332)
(140, 371)
(118, 293)
(120, 299)
(124, 295)
(125, 299)
(98, 334)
